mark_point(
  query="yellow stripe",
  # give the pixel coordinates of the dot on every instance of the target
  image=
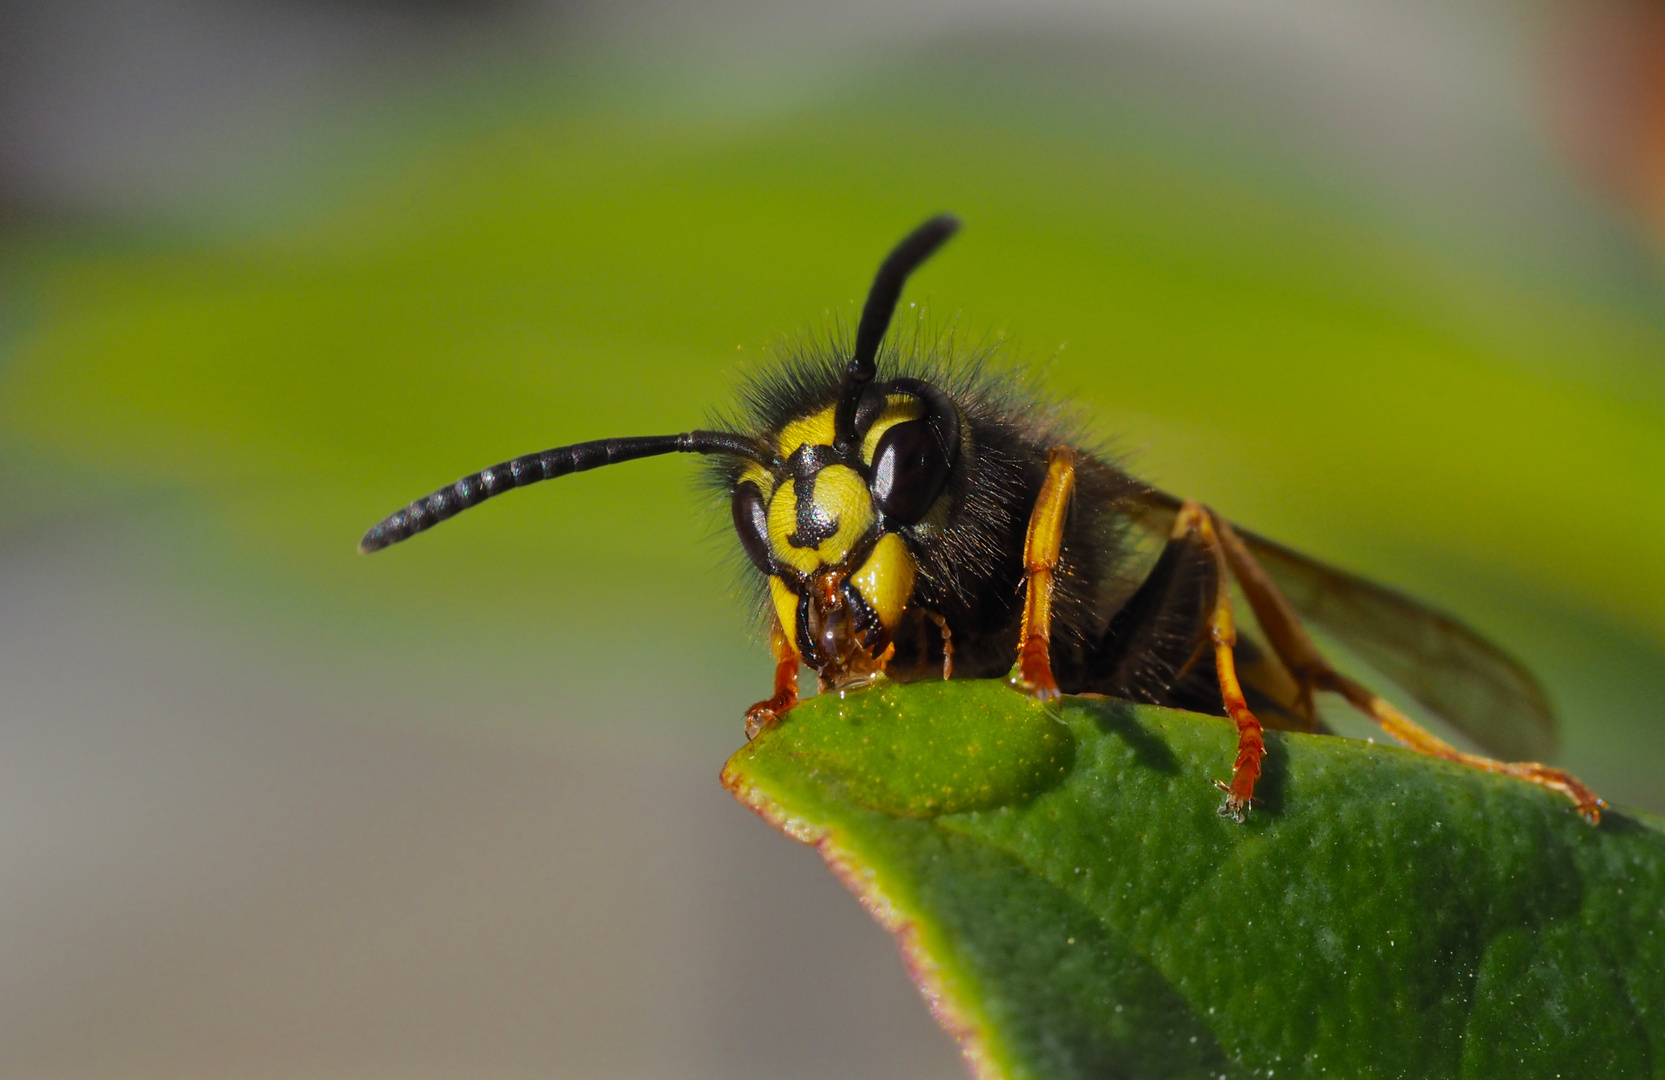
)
(786, 609)
(760, 476)
(886, 579)
(816, 430)
(898, 407)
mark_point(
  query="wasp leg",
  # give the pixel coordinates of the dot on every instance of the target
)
(766, 714)
(1195, 521)
(1154, 643)
(1295, 648)
(947, 642)
(1041, 547)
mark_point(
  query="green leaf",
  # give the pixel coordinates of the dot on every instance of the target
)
(1072, 904)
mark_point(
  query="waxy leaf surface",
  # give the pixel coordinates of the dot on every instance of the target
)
(1073, 906)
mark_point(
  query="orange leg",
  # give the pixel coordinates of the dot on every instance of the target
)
(1295, 648)
(766, 714)
(1041, 548)
(1196, 521)
(1395, 723)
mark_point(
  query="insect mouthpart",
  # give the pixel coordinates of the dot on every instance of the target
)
(843, 618)
(842, 633)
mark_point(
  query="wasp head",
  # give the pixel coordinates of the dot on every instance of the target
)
(826, 505)
(833, 521)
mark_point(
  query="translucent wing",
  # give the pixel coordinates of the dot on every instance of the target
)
(1453, 671)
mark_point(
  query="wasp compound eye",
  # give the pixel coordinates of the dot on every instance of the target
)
(751, 521)
(909, 469)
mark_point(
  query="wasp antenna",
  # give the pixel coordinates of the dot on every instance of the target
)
(903, 260)
(886, 289)
(476, 488)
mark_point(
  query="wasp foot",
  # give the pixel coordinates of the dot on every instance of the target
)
(760, 718)
(1236, 806)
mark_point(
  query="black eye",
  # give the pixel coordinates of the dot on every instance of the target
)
(751, 521)
(909, 469)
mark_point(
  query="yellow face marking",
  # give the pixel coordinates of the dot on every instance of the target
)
(840, 495)
(760, 476)
(898, 407)
(816, 430)
(885, 580)
(786, 608)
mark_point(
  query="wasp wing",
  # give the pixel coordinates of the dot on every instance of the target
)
(1447, 667)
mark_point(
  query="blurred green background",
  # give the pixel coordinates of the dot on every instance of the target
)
(1370, 304)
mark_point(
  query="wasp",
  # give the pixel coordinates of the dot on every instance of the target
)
(912, 516)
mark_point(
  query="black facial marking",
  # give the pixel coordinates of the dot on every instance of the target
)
(806, 641)
(809, 459)
(863, 619)
(813, 525)
(804, 465)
